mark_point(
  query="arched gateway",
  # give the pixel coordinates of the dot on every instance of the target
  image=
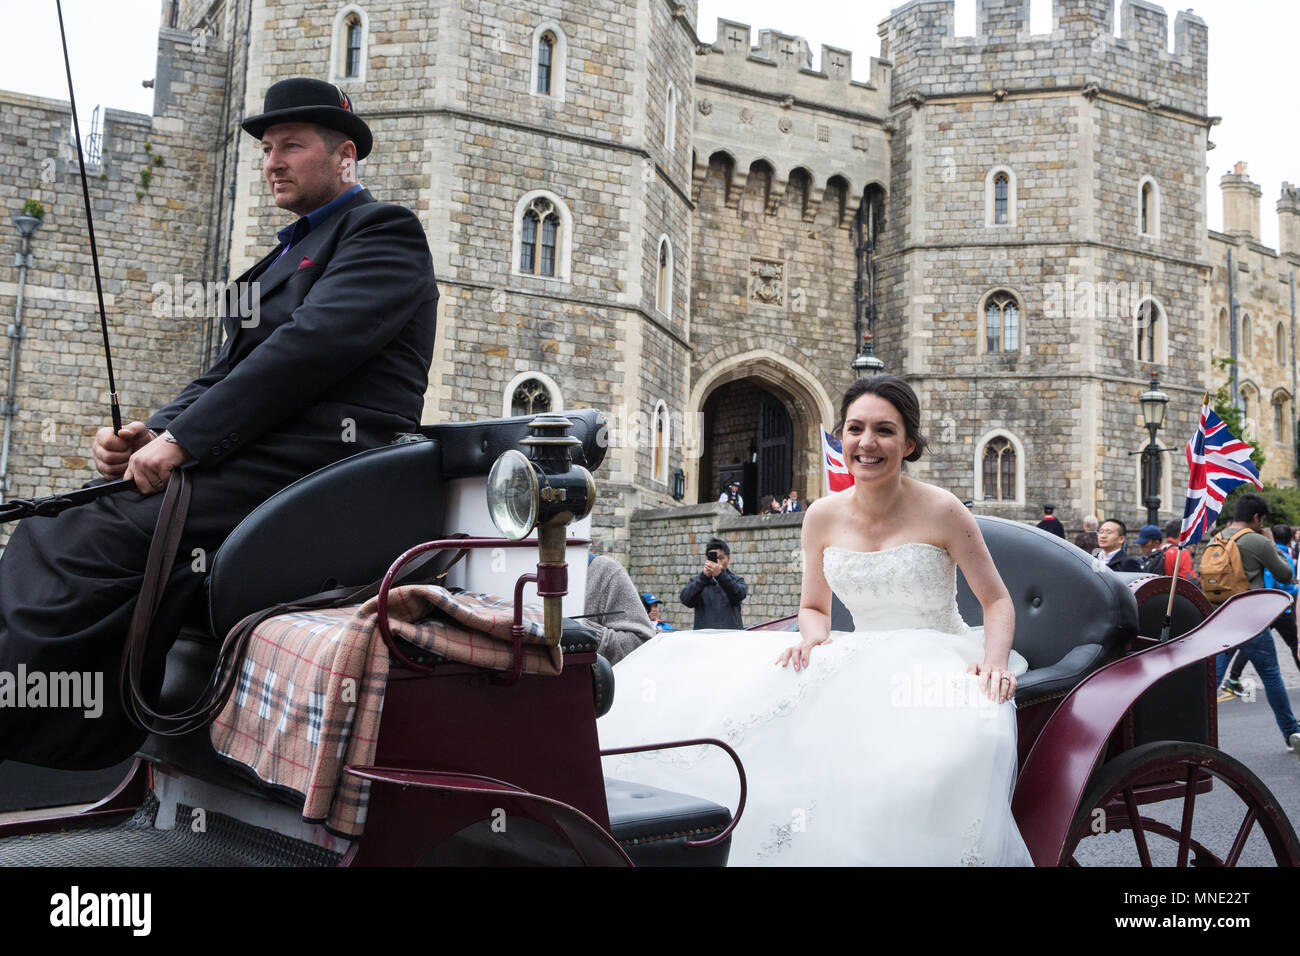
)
(761, 418)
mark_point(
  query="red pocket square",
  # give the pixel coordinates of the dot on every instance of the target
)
(305, 263)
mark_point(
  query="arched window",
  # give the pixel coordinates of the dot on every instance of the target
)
(664, 281)
(1149, 208)
(352, 68)
(545, 58)
(1225, 335)
(1245, 343)
(542, 240)
(999, 465)
(350, 39)
(530, 398)
(1000, 197)
(531, 393)
(1148, 326)
(670, 118)
(1249, 409)
(999, 468)
(659, 450)
(549, 58)
(1002, 322)
(1279, 345)
(1281, 417)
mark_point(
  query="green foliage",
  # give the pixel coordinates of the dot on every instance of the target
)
(1283, 504)
(146, 174)
(148, 147)
(157, 160)
(1224, 406)
(34, 209)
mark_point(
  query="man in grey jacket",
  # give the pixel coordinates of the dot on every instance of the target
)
(1258, 553)
(613, 608)
(715, 593)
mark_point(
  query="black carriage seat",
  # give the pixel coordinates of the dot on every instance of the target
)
(345, 524)
(341, 525)
(1071, 615)
(653, 826)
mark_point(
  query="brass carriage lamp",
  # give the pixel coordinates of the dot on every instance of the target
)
(1154, 403)
(547, 491)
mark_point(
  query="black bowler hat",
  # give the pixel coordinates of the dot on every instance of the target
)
(304, 100)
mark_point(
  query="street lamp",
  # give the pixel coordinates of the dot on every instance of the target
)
(865, 362)
(1154, 403)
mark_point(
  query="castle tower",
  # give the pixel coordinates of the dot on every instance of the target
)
(1240, 203)
(1045, 231)
(790, 171)
(1288, 220)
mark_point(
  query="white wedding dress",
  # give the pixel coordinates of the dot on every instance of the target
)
(881, 752)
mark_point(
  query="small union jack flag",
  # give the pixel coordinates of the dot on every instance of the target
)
(1219, 461)
(837, 474)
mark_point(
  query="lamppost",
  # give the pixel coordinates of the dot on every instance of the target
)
(865, 362)
(1153, 403)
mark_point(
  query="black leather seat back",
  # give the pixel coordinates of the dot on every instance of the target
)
(342, 525)
(1062, 600)
(470, 448)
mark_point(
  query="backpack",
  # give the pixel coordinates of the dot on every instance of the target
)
(1222, 573)
(1154, 563)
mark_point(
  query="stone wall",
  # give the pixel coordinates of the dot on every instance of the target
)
(1262, 284)
(156, 255)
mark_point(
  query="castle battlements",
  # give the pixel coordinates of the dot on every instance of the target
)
(781, 64)
(1081, 51)
(763, 104)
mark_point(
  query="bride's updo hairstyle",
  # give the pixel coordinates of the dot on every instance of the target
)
(899, 394)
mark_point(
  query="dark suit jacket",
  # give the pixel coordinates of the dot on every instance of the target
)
(337, 362)
(1121, 560)
(336, 356)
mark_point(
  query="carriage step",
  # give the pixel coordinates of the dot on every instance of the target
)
(222, 841)
(652, 825)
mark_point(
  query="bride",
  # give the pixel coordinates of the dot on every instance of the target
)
(893, 744)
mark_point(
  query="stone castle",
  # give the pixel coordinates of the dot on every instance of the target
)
(698, 238)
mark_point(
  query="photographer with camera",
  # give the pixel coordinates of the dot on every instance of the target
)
(715, 593)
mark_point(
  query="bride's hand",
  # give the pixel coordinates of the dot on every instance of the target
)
(800, 652)
(996, 681)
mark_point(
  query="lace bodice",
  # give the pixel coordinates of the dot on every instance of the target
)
(909, 586)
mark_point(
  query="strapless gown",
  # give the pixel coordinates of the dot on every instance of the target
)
(882, 752)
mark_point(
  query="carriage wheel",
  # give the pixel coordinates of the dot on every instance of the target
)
(1110, 806)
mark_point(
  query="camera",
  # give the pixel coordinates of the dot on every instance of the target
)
(711, 554)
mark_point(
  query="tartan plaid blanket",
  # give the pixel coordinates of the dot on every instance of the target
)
(310, 692)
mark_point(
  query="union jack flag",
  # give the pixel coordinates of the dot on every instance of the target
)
(1219, 461)
(837, 474)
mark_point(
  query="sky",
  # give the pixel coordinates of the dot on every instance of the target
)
(113, 43)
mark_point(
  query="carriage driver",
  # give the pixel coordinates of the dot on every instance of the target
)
(337, 361)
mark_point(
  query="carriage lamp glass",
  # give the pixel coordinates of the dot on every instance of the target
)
(513, 495)
(1154, 403)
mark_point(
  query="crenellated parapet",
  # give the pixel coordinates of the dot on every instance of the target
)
(1081, 51)
(764, 104)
